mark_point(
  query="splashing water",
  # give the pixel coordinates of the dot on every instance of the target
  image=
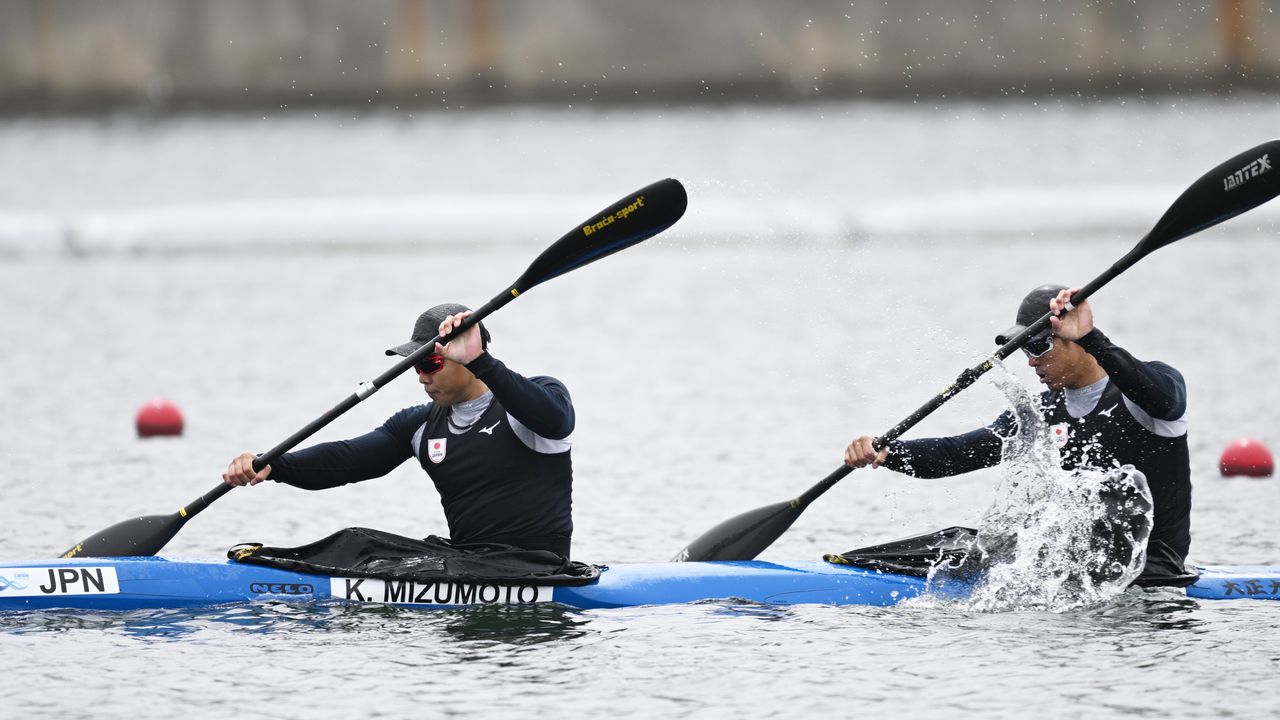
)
(1053, 539)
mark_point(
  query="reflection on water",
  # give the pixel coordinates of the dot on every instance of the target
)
(690, 659)
(507, 625)
(514, 625)
(1153, 609)
(736, 608)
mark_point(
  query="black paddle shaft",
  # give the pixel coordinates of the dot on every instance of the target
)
(366, 389)
(964, 380)
(633, 219)
(1239, 184)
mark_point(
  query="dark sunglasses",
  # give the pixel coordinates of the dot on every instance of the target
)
(430, 364)
(1039, 346)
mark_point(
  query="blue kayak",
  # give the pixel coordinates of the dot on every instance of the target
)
(149, 582)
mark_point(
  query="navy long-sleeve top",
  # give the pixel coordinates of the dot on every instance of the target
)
(513, 486)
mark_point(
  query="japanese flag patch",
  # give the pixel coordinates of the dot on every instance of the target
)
(1058, 433)
(436, 449)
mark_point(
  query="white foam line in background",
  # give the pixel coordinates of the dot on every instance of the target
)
(302, 224)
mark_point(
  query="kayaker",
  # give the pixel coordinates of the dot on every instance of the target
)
(1104, 408)
(496, 444)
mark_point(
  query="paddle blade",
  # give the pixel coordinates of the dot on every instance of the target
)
(633, 219)
(140, 536)
(742, 537)
(1242, 183)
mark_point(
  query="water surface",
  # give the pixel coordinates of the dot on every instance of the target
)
(715, 369)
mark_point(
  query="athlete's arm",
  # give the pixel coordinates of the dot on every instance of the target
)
(1153, 386)
(541, 404)
(947, 456)
(371, 455)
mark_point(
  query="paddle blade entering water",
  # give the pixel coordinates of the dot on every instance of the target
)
(744, 536)
(140, 536)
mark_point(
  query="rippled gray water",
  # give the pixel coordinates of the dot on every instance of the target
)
(1139, 656)
(712, 373)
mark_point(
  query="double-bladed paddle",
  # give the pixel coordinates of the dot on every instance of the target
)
(1239, 184)
(636, 217)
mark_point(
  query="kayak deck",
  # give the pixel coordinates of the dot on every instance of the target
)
(148, 582)
(777, 584)
(132, 583)
(1237, 582)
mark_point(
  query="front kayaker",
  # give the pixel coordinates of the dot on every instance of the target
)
(1104, 408)
(496, 444)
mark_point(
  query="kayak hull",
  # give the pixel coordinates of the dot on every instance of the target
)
(142, 583)
(138, 583)
(1237, 582)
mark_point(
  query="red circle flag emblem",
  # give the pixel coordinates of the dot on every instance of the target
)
(1060, 434)
(436, 449)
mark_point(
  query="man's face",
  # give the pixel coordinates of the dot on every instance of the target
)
(1057, 366)
(445, 386)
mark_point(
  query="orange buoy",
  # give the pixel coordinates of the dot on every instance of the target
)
(1248, 457)
(159, 417)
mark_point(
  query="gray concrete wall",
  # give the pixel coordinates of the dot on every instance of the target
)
(85, 54)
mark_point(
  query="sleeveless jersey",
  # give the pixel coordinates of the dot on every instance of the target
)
(1108, 436)
(493, 487)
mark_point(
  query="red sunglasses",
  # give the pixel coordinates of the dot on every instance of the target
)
(430, 364)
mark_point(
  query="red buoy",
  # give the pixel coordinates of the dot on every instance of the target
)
(1248, 457)
(159, 417)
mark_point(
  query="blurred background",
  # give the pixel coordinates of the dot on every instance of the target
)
(60, 55)
(133, 124)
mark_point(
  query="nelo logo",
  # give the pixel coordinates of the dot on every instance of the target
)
(281, 588)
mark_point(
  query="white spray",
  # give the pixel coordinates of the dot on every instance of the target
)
(1053, 539)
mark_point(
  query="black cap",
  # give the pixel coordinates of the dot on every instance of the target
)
(428, 326)
(1033, 307)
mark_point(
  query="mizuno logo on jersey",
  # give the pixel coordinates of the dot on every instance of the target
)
(489, 430)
